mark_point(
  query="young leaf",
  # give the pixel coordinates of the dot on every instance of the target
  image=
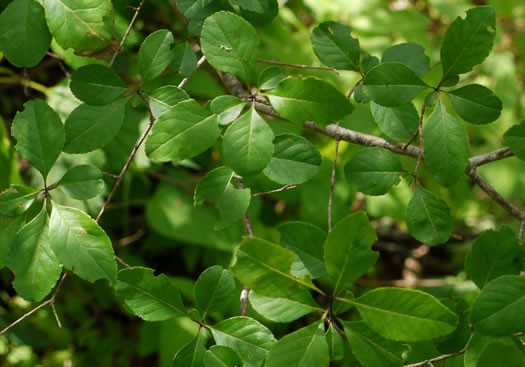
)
(335, 47)
(192, 354)
(405, 315)
(265, 267)
(373, 171)
(284, 309)
(8, 229)
(184, 60)
(299, 100)
(82, 182)
(428, 218)
(270, 78)
(307, 242)
(24, 36)
(150, 297)
(32, 259)
(220, 356)
(97, 85)
(371, 349)
(410, 54)
(182, 132)
(81, 245)
(498, 310)
(248, 144)
(398, 123)
(476, 104)
(295, 160)
(446, 146)
(494, 254)
(155, 54)
(515, 139)
(40, 135)
(92, 127)
(227, 108)
(85, 27)
(213, 288)
(306, 347)
(162, 99)
(248, 338)
(392, 84)
(230, 44)
(468, 41)
(16, 200)
(348, 250)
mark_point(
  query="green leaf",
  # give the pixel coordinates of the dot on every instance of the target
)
(483, 351)
(405, 315)
(16, 199)
(220, 356)
(476, 104)
(307, 242)
(251, 5)
(335, 343)
(468, 41)
(197, 9)
(8, 230)
(213, 288)
(428, 218)
(267, 11)
(84, 26)
(284, 309)
(295, 160)
(498, 310)
(24, 37)
(251, 340)
(368, 63)
(150, 297)
(398, 123)
(247, 144)
(81, 245)
(270, 78)
(373, 171)
(162, 99)
(265, 267)
(392, 84)
(227, 108)
(184, 60)
(40, 135)
(213, 185)
(494, 254)
(410, 54)
(32, 259)
(192, 354)
(92, 127)
(371, 349)
(446, 146)
(348, 250)
(300, 100)
(155, 54)
(82, 182)
(515, 139)
(306, 347)
(182, 132)
(230, 44)
(97, 85)
(335, 47)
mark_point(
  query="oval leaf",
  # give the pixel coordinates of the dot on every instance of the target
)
(405, 315)
(220, 356)
(8, 229)
(373, 171)
(295, 160)
(476, 104)
(284, 309)
(429, 219)
(398, 123)
(227, 108)
(150, 297)
(155, 54)
(82, 182)
(40, 135)
(300, 100)
(410, 54)
(192, 354)
(214, 286)
(335, 47)
(515, 139)
(270, 78)
(97, 85)
(162, 99)
(16, 199)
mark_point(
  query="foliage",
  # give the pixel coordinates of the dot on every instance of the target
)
(149, 140)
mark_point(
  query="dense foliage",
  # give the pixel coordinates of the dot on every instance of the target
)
(168, 198)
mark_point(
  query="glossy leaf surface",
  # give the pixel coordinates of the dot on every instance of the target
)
(214, 286)
(334, 46)
(97, 85)
(476, 104)
(155, 54)
(82, 182)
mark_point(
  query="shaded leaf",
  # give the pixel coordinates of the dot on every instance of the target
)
(267, 11)
(197, 9)
(335, 47)
(410, 54)
(483, 351)
(335, 344)
(82, 182)
(398, 123)
(476, 104)
(270, 78)
(515, 139)
(97, 85)
(214, 286)
(184, 60)
(8, 229)
(162, 99)
(16, 199)
(155, 54)
(192, 354)
(227, 108)
(220, 356)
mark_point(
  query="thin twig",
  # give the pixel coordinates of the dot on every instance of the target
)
(355, 87)
(284, 188)
(120, 47)
(421, 148)
(248, 229)
(107, 174)
(122, 262)
(437, 359)
(199, 64)
(522, 228)
(434, 65)
(489, 157)
(411, 139)
(332, 184)
(272, 62)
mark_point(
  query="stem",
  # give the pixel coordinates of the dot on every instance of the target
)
(199, 64)
(355, 87)
(120, 48)
(421, 148)
(332, 185)
(284, 188)
(272, 62)
(429, 362)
